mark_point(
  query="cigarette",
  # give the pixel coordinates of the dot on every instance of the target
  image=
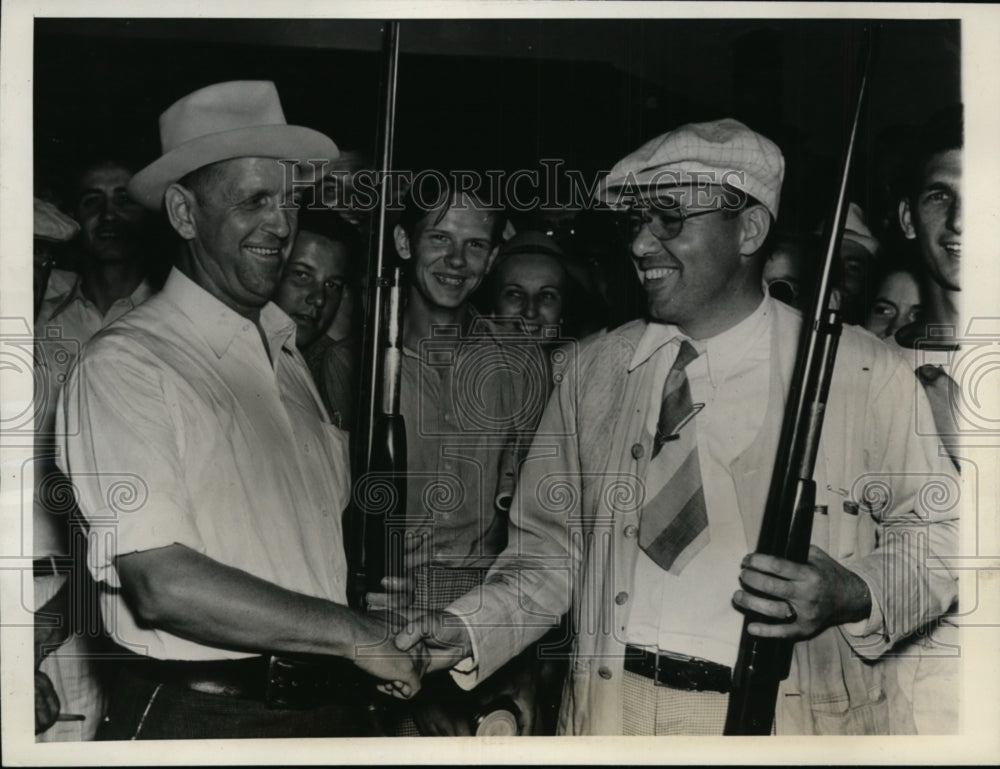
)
(71, 717)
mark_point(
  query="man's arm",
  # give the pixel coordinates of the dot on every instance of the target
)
(899, 580)
(193, 596)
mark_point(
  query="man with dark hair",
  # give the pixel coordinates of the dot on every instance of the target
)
(930, 215)
(326, 250)
(112, 271)
(646, 483)
(211, 479)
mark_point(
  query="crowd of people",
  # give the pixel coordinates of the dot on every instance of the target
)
(583, 495)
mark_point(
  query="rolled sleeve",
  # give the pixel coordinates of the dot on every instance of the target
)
(124, 458)
(871, 632)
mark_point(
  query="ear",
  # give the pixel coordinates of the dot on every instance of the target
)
(179, 203)
(756, 222)
(402, 241)
(906, 219)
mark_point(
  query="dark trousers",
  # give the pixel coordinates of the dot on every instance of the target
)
(143, 709)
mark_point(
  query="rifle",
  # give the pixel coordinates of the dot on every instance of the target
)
(762, 663)
(378, 500)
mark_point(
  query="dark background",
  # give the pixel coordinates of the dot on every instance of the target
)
(502, 94)
(498, 93)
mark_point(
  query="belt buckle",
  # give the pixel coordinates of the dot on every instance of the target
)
(684, 676)
(294, 684)
(657, 656)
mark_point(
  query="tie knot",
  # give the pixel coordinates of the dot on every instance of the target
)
(685, 355)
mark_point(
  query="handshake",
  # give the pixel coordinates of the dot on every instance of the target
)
(415, 646)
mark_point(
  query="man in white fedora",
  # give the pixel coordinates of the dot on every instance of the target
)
(645, 486)
(208, 471)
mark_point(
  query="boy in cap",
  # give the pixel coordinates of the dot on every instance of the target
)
(206, 466)
(645, 486)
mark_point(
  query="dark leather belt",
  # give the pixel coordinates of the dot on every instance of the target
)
(678, 671)
(280, 682)
(49, 567)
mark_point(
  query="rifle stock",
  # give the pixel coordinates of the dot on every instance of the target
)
(762, 663)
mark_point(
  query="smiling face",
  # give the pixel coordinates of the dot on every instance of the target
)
(239, 234)
(449, 255)
(109, 219)
(312, 285)
(531, 287)
(703, 280)
(896, 304)
(934, 218)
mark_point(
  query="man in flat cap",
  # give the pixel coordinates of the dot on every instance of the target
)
(645, 486)
(206, 466)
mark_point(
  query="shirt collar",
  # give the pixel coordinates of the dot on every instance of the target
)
(721, 350)
(141, 293)
(478, 327)
(219, 324)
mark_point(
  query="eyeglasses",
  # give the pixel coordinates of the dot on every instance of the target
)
(664, 225)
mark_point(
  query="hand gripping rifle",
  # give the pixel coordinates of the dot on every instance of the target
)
(786, 529)
(378, 502)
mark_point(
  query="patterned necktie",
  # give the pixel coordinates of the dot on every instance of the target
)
(674, 523)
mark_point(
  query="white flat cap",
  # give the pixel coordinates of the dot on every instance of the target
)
(717, 152)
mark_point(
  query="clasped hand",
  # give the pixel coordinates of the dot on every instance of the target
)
(422, 645)
(437, 639)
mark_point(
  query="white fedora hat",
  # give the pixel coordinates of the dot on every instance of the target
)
(242, 118)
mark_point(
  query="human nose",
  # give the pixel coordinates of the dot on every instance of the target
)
(955, 216)
(644, 242)
(108, 208)
(456, 256)
(278, 223)
(316, 297)
(531, 309)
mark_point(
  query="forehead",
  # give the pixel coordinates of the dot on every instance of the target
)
(461, 212)
(943, 168)
(540, 268)
(319, 252)
(104, 176)
(900, 285)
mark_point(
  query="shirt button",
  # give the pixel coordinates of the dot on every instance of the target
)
(621, 598)
(637, 451)
(604, 672)
(631, 531)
